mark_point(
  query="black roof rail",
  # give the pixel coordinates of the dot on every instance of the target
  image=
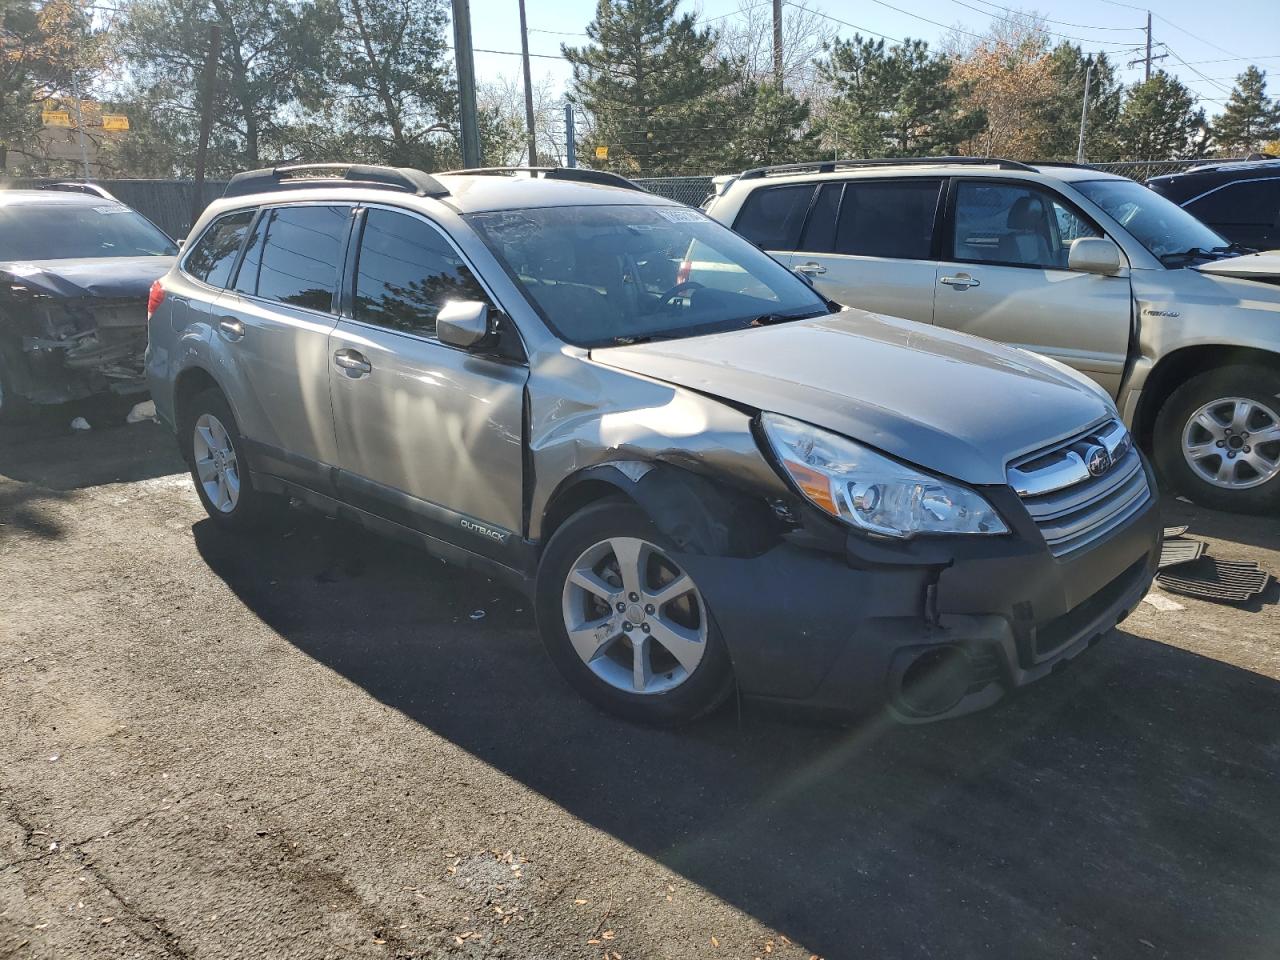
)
(579, 174)
(295, 177)
(830, 166)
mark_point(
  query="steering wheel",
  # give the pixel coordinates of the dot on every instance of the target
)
(684, 286)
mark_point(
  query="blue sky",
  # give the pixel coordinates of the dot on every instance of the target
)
(1204, 40)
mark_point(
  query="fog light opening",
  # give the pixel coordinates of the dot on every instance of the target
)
(934, 682)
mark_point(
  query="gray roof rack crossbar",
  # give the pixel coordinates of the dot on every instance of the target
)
(578, 174)
(830, 166)
(296, 177)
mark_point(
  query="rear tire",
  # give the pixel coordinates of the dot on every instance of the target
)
(1217, 439)
(215, 452)
(660, 659)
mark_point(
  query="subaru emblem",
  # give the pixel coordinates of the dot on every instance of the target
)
(1098, 461)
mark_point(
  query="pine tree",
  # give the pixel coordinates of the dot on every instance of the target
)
(654, 90)
(894, 102)
(1060, 112)
(1250, 118)
(774, 128)
(1160, 121)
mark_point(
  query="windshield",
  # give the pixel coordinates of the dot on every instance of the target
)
(1161, 226)
(622, 274)
(58, 231)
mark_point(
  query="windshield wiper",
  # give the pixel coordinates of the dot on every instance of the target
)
(769, 319)
(1238, 249)
(1186, 256)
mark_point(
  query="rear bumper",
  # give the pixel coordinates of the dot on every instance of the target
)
(930, 631)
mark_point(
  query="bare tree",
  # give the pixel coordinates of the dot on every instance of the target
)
(504, 97)
(746, 38)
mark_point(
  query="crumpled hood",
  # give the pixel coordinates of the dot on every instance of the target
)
(1251, 266)
(99, 277)
(951, 403)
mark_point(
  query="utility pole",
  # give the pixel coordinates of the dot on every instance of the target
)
(570, 138)
(84, 151)
(1146, 60)
(208, 84)
(466, 83)
(1084, 108)
(777, 43)
(528, 89)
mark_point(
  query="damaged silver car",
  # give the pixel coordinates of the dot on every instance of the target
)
(705, 474)
(75, 271)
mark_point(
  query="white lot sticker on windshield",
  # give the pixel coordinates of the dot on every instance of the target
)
(110, 210)
(677, 215)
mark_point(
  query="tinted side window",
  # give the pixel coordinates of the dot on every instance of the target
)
(888, 218)
(214, 254)
(772, 217)
(302, 254)
(1247, 201)
(1020, 226)
(406, 272)
(820, 231)
(246, 280)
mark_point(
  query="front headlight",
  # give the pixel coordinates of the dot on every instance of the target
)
(871, 492)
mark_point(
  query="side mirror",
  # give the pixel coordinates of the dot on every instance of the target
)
(463, 323)
(1094, 255)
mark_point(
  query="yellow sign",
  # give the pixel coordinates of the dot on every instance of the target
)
(602, 153)
(55, 118)
(115, 121)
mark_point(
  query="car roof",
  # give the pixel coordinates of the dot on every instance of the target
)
(1233, 170)
(1066, 172)
(463, 192)
(63, 198)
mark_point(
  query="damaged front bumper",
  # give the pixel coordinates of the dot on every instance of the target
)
(927, 629)
(78, 349)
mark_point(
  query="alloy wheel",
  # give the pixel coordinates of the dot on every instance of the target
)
(634, 617)
(216, 463)
(1233, 443)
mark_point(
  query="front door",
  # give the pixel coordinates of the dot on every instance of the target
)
(869, 244)
(428, 435)
(1004, 276)
(275, 319)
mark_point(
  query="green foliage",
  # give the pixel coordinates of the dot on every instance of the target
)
(1060, 112)
(894, 101)
(654, 89)
(1250, 118)
(1160, 121)
(774, 128)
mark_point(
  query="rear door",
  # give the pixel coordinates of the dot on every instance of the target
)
(275, 320)
(429, 435)
(1004, 276)
(1245, 212)
(870, 244)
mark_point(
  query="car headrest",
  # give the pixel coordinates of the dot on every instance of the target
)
(1027, 213)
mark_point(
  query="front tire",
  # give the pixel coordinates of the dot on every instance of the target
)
(219, 467)
(1217, 439)
(624, 623)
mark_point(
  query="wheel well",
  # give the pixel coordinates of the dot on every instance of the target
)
(192, 381)
(1179, 367)
(566, 503)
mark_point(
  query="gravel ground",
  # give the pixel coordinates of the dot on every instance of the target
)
(312, 745)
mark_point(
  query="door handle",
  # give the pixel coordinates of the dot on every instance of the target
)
(352, 362)
(811, 268)
(231, 328)
(961, 282)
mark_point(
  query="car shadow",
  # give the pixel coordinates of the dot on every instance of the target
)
(1125, 807)
(47, 451)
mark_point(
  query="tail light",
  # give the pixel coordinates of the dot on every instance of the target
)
(154, 298)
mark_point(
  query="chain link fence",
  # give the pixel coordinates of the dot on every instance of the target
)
(690, 190)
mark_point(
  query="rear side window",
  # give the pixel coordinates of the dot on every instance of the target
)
(1243, 202)
(302, 255)
(771, 218)
(406, 272)
(214, 254)
(883, 218)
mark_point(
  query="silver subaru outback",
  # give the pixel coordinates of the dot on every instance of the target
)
(704, 473)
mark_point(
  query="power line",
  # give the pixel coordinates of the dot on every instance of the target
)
(860, 29)
(1061, 36)
(1061, 23)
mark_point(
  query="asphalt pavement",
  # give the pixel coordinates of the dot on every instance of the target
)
(316, 743)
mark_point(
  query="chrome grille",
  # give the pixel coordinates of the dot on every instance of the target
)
(1073, 505)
